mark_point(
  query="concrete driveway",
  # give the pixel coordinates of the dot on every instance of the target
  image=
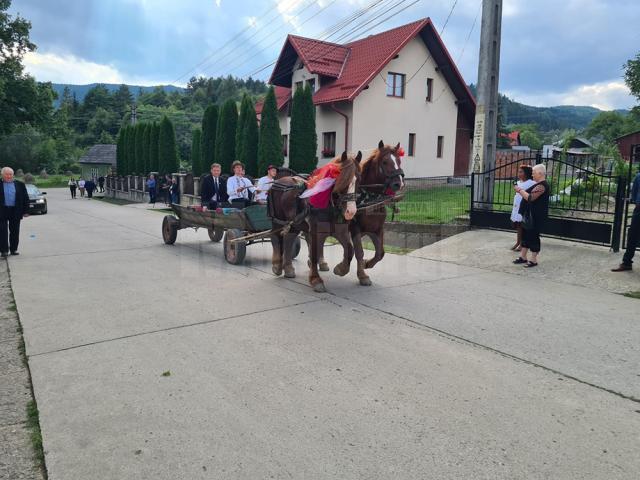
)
(159, 362)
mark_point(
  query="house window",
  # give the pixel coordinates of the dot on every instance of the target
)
(285, 145)
(395, 85)
(312, 85)
(412, 145)
(440, 146)
(329, 144)
(299, 85)
(429, 89)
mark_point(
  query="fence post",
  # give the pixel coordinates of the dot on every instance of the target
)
(473, 191)
(618, 215)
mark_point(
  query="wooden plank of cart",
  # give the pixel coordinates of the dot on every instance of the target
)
(239, 228)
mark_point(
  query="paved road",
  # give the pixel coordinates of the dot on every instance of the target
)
(435, 372)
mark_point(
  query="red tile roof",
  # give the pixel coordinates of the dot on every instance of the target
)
(348, 69)
(283, 95)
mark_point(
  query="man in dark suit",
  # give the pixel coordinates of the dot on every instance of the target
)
(213, 190)
(14, 206)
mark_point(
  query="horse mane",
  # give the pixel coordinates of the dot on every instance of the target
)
(348, 169)
(371, 162)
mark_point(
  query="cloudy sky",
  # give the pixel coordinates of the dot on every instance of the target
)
(553, 52)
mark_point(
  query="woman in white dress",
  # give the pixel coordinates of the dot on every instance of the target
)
(525, 180)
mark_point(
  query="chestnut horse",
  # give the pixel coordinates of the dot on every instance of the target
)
(381, 178)
(296, 215)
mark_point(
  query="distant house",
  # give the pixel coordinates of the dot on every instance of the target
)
(100, 160)
(400, 86)
(577, 147)
(625, 142)
(513, 138)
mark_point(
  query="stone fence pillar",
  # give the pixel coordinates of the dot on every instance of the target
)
(180, 177)
(196, 186)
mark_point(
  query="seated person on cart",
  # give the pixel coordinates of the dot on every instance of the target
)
(265, 183)
(239, 188)
(214, 188)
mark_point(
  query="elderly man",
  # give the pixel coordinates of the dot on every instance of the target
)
(14, 205)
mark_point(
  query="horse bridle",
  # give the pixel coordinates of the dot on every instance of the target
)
(388, 178)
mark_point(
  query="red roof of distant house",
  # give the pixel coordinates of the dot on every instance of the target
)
(351, 67)
(514, 138)
(283, 95)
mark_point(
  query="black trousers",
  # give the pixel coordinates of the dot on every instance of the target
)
(633, 235)
(9, 230)
(531, 239)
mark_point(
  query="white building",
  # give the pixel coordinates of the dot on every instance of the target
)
(398, 86)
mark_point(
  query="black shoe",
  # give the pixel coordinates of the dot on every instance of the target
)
(520, 260)
(15, 252)
(623, 267)
(4, 254)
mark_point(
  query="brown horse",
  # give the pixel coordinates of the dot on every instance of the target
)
(295, 215)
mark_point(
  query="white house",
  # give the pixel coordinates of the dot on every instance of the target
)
(400, 86)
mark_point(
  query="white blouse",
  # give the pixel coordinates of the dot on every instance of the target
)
(515, 216)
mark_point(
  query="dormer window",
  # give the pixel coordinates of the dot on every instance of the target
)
(395, 85)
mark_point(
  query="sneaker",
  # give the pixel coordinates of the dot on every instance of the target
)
(623, 267)
(520, 260)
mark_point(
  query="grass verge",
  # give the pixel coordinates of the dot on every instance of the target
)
(33, 423)
(114, 201)
(632, 295)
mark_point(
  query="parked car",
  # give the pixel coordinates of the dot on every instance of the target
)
(37, 202)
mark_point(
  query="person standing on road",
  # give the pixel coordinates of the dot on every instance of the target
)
(174, 191)
(101, 184)
(90, 186)
(151, 187)
(524, 181)
(535, 206)
(265, 183)
(72, 187)
(14, 206)
(633, 234)
(214, 188)
(81, 185)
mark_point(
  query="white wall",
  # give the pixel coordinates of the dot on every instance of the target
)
(376, 116)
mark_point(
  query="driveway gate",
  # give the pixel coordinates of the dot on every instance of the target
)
(586, 203)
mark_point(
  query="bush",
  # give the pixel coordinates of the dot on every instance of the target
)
(28, 178)
(44, 174)
(19, 173)
(68, 173)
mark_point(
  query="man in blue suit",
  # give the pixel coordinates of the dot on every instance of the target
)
(213, 190)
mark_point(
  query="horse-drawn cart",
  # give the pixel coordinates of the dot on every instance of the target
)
(239, 228)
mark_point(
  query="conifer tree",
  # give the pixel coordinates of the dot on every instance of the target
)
(209, 130)
(154, 161)
(270, 142)
(197, 166)
(247, 137)
(226, 135)
(146, 152)
(168, 152)
(131, 150)
(304, 140)
(120, 152)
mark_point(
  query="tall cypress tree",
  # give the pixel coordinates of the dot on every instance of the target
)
(154, 162)
(248, 144)
(146, 152)
(120, 152)
(304, 141)
(131, 150)
(197, 165)
(139, 149)
(226, 135)
(209, 130)
(270, 143)
(168, 151)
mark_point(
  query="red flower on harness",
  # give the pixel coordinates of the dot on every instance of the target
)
(400, 152)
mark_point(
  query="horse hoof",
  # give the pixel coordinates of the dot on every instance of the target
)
(319, 288)
(277, 271)
(289, 273)
(324, 267)
(365, 281)
(340, 270)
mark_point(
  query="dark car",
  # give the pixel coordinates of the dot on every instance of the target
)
(37, 202)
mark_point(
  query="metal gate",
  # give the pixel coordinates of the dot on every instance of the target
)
(586, 203)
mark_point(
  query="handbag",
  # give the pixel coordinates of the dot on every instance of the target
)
(528, 222)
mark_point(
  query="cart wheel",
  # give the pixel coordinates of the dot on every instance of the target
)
(169, 229)
(296, 247)
(216, 234)
(234, 253)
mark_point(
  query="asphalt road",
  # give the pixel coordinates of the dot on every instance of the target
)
(438, 371)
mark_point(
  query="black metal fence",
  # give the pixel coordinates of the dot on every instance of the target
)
(434, 200)
(586, 202)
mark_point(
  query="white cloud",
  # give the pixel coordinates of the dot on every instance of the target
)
(608, 95)
(218, 2)
(49, 67)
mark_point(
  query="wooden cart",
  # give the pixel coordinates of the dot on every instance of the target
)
(239, 228)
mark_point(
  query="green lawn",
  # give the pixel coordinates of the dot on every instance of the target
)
(52, 181)
(435, 205)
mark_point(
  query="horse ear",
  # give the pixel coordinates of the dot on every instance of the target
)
(359, 156)
(398, 146)
(344, 156)
(381, 144)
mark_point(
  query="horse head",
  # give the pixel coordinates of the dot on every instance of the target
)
(344, 190)
(383, 169)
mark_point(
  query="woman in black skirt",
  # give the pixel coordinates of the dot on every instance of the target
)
(535, 202)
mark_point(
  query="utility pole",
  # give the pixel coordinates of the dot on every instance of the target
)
(134, 113)
(485, 129)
